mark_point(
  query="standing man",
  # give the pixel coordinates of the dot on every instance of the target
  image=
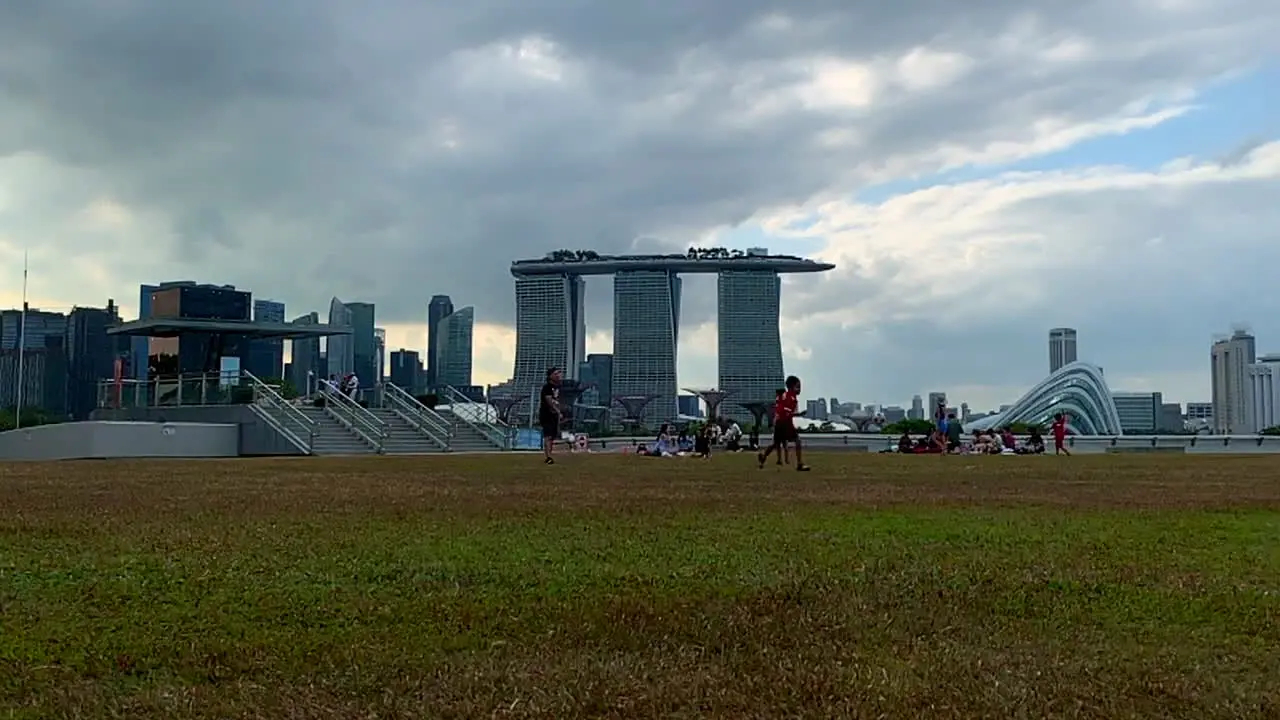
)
(549, 413)
(784, 425)
(1060, 435)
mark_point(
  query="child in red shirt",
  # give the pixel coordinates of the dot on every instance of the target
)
(784, 425)
(1060, 435)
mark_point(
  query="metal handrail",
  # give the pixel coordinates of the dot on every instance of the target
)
(495, 430)
(423, 418)
(355, 416)
(265, 395)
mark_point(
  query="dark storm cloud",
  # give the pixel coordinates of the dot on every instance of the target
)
(299, 148)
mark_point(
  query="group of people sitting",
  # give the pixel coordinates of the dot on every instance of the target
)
(671, 442)
(982, 442)
(948, 437)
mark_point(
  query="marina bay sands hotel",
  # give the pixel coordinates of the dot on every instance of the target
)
(551, 328)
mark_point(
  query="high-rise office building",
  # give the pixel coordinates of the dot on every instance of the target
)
(91, 355)
(453, 348)
(406, 370)
(39, 325)
(440, 307)
(551, 331)
(364, 343)
(1140, 412)
(379, 354)
(596, 375)
(1230, 359)
(305, 369)
(266, 355)
(917, 408)
(340, 350)
(646, 322)
(750, 344)
(1263, 400)
(1062, 348)
(935, 399)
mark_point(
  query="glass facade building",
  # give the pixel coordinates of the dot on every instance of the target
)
(266, 356)
(551, 331)
(646, 328)
(1078, 390)
(453, 348)
(440, 307)
(305, 368)
(364, 343)
(750, 351)
(340, 349)
(406, 370)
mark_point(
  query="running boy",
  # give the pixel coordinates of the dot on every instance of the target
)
(784, 425)
(782, 451)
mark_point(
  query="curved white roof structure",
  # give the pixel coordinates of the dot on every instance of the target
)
(1077, 389)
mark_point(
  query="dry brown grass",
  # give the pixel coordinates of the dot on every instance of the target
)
(606, 586)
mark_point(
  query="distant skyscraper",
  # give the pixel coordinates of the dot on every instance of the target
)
(935, 399)
(406, 370)
(39, 325)
(1263, 399)
(917, 408)
(364, 344)
(454, 347)
(1230, 359)
(646, 327)
(266, 357)
(305, 369)
(440, 307)
(551, 331)
(379, 354)
(340, 349)
(596, 373)
(91, 355)
(139, 348)
(750, 352)
(1062, 348)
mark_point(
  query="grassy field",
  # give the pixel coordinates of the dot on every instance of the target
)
(607, 586)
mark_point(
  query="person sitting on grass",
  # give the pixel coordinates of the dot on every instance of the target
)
(1034, 444)
(702, 441)
(905, 445)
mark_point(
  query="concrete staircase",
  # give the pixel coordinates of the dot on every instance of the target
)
(334, 438)
(467, 438)
(403, 438)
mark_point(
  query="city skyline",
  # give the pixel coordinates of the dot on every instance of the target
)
(591, 345)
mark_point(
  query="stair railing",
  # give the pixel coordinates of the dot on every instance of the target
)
(282, 416)
(355, 417)
(422, 418)
(480, 416)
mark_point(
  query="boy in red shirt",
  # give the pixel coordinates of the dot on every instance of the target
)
(782, 451)
(1060, 435)
(784, 425)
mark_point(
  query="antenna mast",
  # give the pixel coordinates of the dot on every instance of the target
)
(22, 348)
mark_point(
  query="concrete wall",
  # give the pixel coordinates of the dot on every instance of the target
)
(68, 441)
(256, 436)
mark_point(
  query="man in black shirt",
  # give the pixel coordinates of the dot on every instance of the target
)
(549, 413)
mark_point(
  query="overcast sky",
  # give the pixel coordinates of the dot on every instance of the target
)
(979, 172)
